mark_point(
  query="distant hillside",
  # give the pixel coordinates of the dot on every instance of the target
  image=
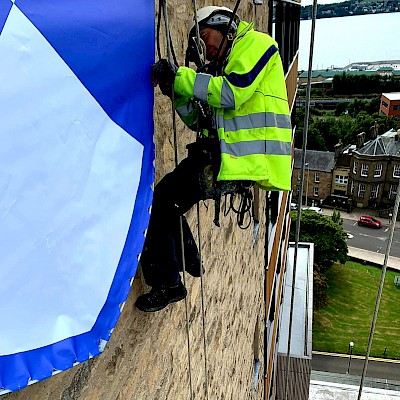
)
(348, 8)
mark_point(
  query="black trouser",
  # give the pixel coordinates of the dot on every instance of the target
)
(175, 194)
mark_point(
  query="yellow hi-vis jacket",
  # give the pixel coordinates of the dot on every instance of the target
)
(251, 107)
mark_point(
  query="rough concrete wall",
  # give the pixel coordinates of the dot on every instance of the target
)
(147, 356)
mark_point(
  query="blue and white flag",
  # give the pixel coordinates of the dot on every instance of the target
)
(76, 170)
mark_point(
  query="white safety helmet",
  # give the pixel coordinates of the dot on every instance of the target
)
(213, 16)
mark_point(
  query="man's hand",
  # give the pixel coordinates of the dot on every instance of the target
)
(163, 74)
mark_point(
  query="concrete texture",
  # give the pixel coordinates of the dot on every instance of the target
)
(320, 390)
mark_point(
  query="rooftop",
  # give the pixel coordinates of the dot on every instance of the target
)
(301, 338)
(386, 144)
(316, 160)
(392, 95)
(337, 391)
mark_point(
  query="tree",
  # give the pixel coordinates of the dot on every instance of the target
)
(330, 245)
(337, 218)
(329, 238)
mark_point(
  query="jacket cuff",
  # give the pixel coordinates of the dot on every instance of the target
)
(184, 82)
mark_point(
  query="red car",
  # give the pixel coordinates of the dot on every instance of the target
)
(366, 220)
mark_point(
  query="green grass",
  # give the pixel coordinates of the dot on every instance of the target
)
(353, 288)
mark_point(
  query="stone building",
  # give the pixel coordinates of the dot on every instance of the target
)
(317, 181)
(172, 355)
(375, 171)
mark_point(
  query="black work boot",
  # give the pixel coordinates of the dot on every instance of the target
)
(159, 297)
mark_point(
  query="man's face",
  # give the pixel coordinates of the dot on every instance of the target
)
(212, 38)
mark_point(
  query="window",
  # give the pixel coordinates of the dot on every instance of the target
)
(341, 180)
(396, 171)
(355, 166)
(361, 190)
(287, 29)
(392, 192)
(352, 187)
(397, 107)
(384, 104)
(315, 192)
(378, 170)
(374, 191)
(316, 180)
(364, 170)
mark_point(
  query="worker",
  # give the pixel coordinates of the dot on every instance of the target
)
(244, 86)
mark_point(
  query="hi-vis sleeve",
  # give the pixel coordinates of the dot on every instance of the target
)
(246, 68)
(216, 91)
(187, 110)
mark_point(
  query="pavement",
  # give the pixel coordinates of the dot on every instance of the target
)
(362, 255)
(349, 370)
(337, 391)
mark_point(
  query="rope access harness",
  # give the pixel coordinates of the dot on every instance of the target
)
(171, 57)
(231, 188)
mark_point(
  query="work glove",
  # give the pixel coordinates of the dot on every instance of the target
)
(163, 74)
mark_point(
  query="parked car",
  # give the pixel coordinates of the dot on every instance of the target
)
(367, 220)
(315, 209)
(293, 206)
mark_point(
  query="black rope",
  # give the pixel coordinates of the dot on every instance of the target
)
(160, 11)
(245, 207)
(227, 28)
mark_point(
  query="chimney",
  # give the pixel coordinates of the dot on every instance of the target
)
(375, 130)
(360, 140)
(339, 148)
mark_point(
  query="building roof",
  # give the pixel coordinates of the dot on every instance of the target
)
(317, 160)
(318, 72)
(392, 95)
(331, 72)
(301, 339)
(386, 144)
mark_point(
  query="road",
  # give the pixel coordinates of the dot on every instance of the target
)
(339, 363)
(372, 239)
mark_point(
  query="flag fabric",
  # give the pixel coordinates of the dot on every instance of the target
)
(76, 175)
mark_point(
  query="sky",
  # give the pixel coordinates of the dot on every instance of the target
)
(310, 2)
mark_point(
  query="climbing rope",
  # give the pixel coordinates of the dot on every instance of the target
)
(303, 163)
(171, 57)
(246, 206)
(380, 289)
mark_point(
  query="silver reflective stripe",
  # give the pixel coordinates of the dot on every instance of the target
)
(186, 110)
(201, 86)
(251, 121)
(227, 96)
(267, 147)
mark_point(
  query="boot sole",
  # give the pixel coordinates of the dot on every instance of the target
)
(154, 309)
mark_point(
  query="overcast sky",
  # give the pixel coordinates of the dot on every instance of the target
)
(309, 2)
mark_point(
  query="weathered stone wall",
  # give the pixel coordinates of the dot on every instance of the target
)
(147, 356)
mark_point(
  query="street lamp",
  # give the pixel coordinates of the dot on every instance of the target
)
(308, 176)
(351, 345)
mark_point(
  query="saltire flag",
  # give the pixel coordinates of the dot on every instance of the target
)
(76, 171)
